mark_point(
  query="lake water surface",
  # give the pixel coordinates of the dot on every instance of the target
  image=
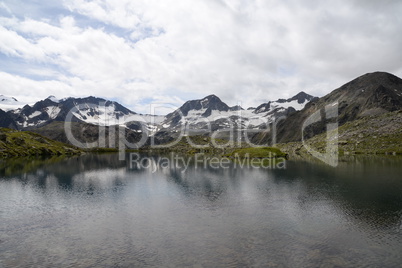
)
(97, 211)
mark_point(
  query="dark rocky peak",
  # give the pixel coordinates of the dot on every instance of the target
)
(370, 82)
(300, 97)
(236, 108)
(190, 105)
(372, 90)
(382, 78)
(39, 106)
(90, 99)
(211, 102)
(71, 102)
(371, 94)
(214, 103)
(44, 103)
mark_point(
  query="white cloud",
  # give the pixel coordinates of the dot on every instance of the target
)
(12, 44)
(247, 51)
(27, 90)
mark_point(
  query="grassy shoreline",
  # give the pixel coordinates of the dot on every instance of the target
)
(15, 143)
(370, 135)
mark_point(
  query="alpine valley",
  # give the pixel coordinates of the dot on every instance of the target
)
(371, 103)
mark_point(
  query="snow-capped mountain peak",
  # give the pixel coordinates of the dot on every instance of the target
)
(9, 103)
(198, 114)
(53, 98)
(297, 102)
(6, 99)
(91, 110)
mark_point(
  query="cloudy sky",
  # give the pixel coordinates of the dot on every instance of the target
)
(167, 51)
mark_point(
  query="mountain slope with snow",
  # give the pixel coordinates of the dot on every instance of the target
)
(201, 116)
(369, 95)
(210, 114)
(9, 103)
(91, 110)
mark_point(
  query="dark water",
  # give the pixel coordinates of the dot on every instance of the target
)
(96, 211)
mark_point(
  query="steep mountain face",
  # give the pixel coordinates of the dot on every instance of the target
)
(36, 115)
(369, 95)
(6, 120)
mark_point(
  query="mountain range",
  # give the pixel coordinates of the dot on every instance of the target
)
(372, 94)
(197, 116)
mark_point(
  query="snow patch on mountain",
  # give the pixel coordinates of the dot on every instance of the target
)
(211, 112)
(34, 114)
(53, 111)
(109, 115)
(272, 105)
(7, 100)
(99, 115)
(242, 118)
(10, 103)
(294, 104)
(207, 114)
(53, 98)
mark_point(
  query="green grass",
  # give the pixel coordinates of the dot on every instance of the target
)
(15, 143)
(381, 135)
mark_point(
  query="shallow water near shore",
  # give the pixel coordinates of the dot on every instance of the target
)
(97, 211)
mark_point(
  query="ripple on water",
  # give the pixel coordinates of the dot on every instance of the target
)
(99, 213)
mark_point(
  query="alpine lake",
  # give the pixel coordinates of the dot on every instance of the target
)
(98, 211)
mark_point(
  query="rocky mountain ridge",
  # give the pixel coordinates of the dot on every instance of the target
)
(370, 95)
(211, 114)
(199, 116)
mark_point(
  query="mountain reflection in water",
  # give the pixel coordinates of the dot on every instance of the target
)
(95, 210)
